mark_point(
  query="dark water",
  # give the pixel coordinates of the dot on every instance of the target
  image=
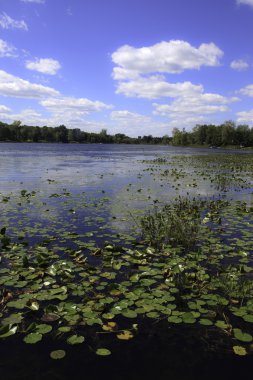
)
(107, 170)
(162, 354)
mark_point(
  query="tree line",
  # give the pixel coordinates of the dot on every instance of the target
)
(16, 132)
(224, 134)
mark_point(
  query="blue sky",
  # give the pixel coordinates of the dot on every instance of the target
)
(137, 67)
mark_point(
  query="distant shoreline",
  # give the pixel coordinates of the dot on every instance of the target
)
(197, 146)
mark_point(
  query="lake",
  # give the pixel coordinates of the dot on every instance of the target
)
(77, 222)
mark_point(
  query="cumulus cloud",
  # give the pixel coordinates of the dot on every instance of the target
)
(247, 2)
(248, 90)
(30, 116)
(6, 49)
(196, 108)
(11, 85)
(129, 117)
(44, 65)
(174, 57)
(138, 72)
(239, 65)
(4, 109)
(155, 86)
(6, 22)
(57, 109)
(245, 117)
(73, 106)
(132, 124)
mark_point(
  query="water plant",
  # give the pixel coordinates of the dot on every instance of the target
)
(65, 274)
(177, 223)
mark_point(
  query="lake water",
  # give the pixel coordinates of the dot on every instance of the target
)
(84, 195)
(102, 187)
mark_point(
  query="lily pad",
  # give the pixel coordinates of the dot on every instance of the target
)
(243, 337)
(129, 314)
(57, 354)
(75, 339)
(239, 350)
(103, 352)
(125, 335)
(7, 331)
(32, 338)
(43, 329)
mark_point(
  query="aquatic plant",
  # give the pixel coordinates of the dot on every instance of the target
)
(177, 223)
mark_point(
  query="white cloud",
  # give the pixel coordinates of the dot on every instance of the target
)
(27, 116)
(245, 117)
(4, 109)
(73, 106)
(44, 65)
(155, 86)
(73, 112)
(129, 117)
(247, 2)
(11, 85)
(6, 49)
(133, 124)
(248, 90)
(6, 22)
(239, 65)
(33, 117)
(34, 1)
(189, 110)
(173, 56)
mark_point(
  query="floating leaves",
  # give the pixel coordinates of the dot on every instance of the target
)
(243, 337)
(192, 267)
(75, 339)
(7, 331)
(239, 350)
(32, 338)
(43, 329)
(125, 335)
(103, 352)
(57, 354)
(110, 326)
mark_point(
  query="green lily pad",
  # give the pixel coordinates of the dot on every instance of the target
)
(75, 339)
(174, 319)
(205, 322)
(103, 352)
(239, 350)
(13, 319)
(243, 337)
(18, 304)
(221, 324)
(108, 316)
(188, 317)
(32, 338)
(7, 331)
(125, 335)
(43, 329)
(64, 329)
(57, 354)
(129, 314)
(248, 318)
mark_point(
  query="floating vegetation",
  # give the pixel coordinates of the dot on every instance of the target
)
(199, 279)
(88, 269)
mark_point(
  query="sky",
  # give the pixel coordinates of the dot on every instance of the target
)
(138, 67)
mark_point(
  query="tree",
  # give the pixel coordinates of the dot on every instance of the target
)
(61, 134)
(227, 133)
